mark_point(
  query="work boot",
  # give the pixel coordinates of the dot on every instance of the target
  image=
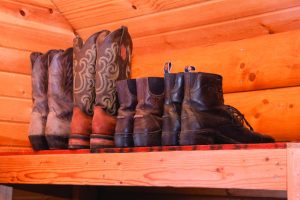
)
(172, 107)
(84, 62)
(40, 109)
(149, 110)
(60, 99)
(126, 90)
(113, 63)
(206, 120)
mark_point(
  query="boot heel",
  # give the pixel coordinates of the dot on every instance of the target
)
(204, 136)
(101, 141)
(38, 142)
(169, 138)
(57, 141)
(147, 139)
(123, 139)
(78, 141)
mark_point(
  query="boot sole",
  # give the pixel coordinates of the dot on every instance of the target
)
(170, 138)
(147, 139)
(101, 141)
(78, 141)
(123, 140)
(57, 141)
(38, 142)
(204, 136)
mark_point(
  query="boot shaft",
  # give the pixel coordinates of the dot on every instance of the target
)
(127, 95)
(113, 63)
(174, 90)
(84, 61)
(204, 90)
(60, 84)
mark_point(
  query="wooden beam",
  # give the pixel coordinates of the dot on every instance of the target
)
(6, 192)
(245, 169)
(15, 109)
(293, 171)
(14, 134)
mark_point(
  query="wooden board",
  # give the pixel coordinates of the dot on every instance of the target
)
(231, 14)
(41, 3)
(245, 169)
(249, 64)
(15, 109)
(14, 134)
(13, 60)
(293, 167)
(93, 12)
(15, 85)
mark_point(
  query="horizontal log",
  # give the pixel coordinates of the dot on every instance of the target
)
(89, 13)
(177, 169)
(15, 109)
(196, 15)
(15, 85)
(249, 64)
(13, 60)
(14, 134)
(40, 3)
(45, 19)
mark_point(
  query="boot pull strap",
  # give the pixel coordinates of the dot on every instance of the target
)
(167, 67)
(189, 68)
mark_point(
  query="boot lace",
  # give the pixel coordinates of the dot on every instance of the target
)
(238, 116)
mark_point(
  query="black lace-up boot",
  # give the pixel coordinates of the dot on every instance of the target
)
(206, 120)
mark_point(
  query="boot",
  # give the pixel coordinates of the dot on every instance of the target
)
(148, 116)
(113, 63)
(84, 62)
(126, 90)
(206, 120)
(60, 99)
(172, 107)
(40, 109)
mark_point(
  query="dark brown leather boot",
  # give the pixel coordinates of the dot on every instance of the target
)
(60, 99)
(206, 120)
(40, 109)
(84, 62)
(126, 90)
(172, 107)
(113, 63)
(149, 110)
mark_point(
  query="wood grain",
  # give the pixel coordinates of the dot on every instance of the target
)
(274, 112)
(40, 3)
(249, 64)
(13, 60)
(14, 134)
(198, 15)
(87, 13)
(293, 174)
(15, 109)
(15, 85)
(245, 169)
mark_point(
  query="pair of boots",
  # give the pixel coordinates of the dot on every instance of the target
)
(194, 112)
(139, 119)
(103, 59)
(52, 93)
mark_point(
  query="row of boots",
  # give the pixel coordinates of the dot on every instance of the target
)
(180, 109)
(74, 91)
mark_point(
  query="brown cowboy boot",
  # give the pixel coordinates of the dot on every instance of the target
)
(172, 107)
(149, 110)
(60, 99)
(113, 63)
(84, 62)
(40, 109)
(126, 90)
(206, 120)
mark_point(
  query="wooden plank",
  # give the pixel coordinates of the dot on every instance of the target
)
(13, 149)
(15, 85)
(14, 134)
(13, 60)
(250, 64)
(274, 112)
(293, 171)
(6, 192)
(15, 109)
(29, 16)
(93, 12)
(245, 169)
(197, 15)
(32, 39)
(41, 3)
